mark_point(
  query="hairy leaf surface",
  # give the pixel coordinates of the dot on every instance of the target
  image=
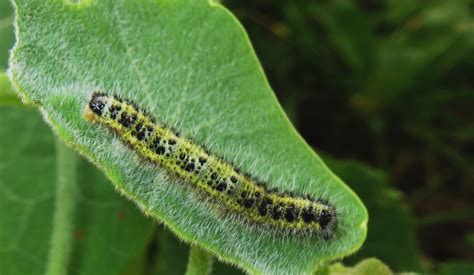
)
(190, 65)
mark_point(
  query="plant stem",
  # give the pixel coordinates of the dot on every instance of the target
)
(64, 211)
(200, 262)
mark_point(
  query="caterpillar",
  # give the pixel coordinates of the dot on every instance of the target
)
(210, 174)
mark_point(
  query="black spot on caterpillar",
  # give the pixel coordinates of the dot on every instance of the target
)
(210, 174)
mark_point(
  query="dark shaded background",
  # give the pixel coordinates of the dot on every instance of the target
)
(389, 84)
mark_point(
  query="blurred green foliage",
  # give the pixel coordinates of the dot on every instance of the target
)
(368, 266)
(391, 236)
(456, 267)
(391, 84)
(6, 35)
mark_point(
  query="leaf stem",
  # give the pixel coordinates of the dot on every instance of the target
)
(65, 206)
(200, 262)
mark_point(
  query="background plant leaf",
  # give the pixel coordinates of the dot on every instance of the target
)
(191, 65)
(109, 232)
(391, 237)
(6, 32)
(367, 266)
(100, 241)
(7, 95)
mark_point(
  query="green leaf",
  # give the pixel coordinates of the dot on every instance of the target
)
(7, 95)
(368, 266)
(102, 231)
(190, 64)
(6, 32)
